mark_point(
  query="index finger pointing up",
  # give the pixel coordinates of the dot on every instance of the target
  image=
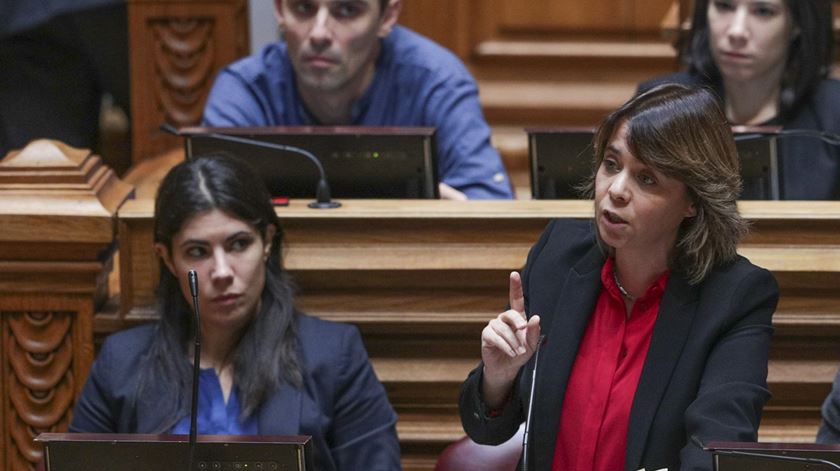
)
(517, 298)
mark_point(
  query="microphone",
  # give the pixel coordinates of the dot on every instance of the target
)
(322, 190)
(766, 456)
(527, 433)
(192, 276)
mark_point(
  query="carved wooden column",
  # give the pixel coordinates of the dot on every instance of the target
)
(177, 47)
(57, 213)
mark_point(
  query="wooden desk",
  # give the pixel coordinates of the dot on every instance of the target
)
(422, 278)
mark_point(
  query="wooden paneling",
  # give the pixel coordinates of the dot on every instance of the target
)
(548, 62)
(446, 23)
(568, 15)
(604, 16)
(176, 48)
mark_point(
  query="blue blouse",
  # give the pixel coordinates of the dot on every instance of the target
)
(214, 416)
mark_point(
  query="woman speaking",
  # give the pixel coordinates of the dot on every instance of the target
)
(656, 331)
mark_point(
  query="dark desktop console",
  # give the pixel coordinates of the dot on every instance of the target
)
(136, 452)
(561, 160)
(360, 162)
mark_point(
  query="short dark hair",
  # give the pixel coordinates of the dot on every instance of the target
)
(266, 353)
(682, 132)
(809, 57)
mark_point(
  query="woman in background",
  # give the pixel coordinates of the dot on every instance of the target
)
(657, 332)
(769, 61)
(266, 368)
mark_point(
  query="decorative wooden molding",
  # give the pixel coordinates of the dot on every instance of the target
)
(177, 48)
(47, 169)
(38, 359)
(57, 207)
(184, 55)
(47, 350)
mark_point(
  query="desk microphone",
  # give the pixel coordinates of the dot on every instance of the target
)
(193, 279)
(322, 190)
(527, 433)
(808, 462)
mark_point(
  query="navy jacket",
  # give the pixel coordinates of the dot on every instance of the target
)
(829, 431)
(705, 373)
(809, 168)
(342, 404)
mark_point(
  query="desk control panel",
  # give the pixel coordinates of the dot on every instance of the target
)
(240, 466)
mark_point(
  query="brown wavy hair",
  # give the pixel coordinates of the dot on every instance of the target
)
(683, 133)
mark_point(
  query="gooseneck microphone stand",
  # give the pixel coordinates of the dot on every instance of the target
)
(526, 435)
(193, 279)
(323, 199)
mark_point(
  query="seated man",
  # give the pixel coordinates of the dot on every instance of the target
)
(346, 62)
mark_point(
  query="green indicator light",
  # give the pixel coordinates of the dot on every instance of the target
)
(376, 155)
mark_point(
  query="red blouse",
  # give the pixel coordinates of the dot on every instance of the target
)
(596, 409)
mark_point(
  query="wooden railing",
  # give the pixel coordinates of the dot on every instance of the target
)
(422, 278)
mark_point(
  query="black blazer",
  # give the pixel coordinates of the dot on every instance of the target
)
(342, 404)
(705, 373)
(809, 168)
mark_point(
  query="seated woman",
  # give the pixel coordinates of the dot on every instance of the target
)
(769, 61)
(265, 367)
(656, 332)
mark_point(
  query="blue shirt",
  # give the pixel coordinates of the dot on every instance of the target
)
(214, 416)
(417, 83)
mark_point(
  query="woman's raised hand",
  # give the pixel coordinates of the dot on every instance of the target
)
(507, 343)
